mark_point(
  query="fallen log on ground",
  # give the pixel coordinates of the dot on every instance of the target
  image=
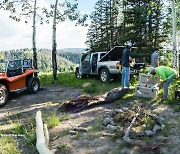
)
(86, 101)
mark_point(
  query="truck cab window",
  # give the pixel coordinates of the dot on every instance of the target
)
(87, 58)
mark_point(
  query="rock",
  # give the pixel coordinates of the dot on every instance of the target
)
(125, 109)
(126, 151)
(108, 115)
(107, 121)
(80, 129)
(159, 120)
(112, 123)
(140, 133)
(149, 132)
(112, 128)
(72, 132)
(156, 128)
(86, 85)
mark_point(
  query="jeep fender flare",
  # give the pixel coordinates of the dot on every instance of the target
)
(5, 82)
(29, 76)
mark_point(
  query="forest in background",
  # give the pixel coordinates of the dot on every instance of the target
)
(66, 58)
(146, 23)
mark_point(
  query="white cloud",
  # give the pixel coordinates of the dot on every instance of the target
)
(15, 35)
(67, 34)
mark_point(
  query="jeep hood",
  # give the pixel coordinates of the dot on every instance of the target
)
(114, 54)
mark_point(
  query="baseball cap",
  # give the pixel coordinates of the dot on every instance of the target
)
(129, 44)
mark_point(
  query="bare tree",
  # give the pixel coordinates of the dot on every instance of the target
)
(26, 8)
(60, 12)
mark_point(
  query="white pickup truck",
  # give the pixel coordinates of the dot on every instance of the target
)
(104, 64)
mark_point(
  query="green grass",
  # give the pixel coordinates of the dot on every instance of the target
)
(8, 146)
(64, 148)
(166, 129)
(69, 79)
(53, 120)
(148, 121)
(97, 125)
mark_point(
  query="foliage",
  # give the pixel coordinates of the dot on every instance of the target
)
(97, 126)
(102, 33)
(178, 14)
(8, 146)
(69, 79)
(166, 58)
(53, 120)
(44, 64)
(64, 148)
(148, 121)
(166, 129)
(114, 22)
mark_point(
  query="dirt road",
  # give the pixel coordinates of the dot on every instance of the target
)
(96, 139)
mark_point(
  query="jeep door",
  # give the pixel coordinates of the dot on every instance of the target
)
(86, 64)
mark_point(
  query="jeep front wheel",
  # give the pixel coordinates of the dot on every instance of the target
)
(3, 95)
(33, 85)
(104, 75)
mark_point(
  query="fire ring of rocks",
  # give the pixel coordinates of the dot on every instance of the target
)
(139, 123)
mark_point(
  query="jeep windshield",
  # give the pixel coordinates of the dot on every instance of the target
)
(3, 65)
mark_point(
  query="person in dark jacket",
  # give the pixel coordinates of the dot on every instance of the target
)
(126, 59)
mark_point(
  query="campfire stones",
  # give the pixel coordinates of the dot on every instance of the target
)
(126, 115)
(76, 130)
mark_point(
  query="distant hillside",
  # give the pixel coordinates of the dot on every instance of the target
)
(71, 54)
(81, 50)
(68, 59)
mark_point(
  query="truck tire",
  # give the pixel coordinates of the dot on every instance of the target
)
(3, 95)
(33, 85)
(78, 74)
(104, 75)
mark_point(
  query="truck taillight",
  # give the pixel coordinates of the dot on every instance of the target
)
(118, 66)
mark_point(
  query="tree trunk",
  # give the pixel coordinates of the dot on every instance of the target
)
(34, 38)
(54, 45)
(175, 52)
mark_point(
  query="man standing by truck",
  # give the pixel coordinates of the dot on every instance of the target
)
(126, 58)
(155, 58)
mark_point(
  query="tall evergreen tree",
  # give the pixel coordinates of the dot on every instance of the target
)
(103, 28)
(146, 23)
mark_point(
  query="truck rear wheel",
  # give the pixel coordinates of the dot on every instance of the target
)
(33, 85)
(104, 75)
(3, 95)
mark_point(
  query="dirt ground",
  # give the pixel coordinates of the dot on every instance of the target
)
(96, 139)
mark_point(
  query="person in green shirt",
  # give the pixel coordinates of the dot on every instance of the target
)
(167, 75)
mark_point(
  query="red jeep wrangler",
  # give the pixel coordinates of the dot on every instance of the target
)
(17, 75)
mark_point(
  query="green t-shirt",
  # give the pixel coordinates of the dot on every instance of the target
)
(164, 72)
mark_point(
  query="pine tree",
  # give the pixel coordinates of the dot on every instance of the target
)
(145, 23)
(102, 33)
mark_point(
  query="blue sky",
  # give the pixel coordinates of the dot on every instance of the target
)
(16, 35)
